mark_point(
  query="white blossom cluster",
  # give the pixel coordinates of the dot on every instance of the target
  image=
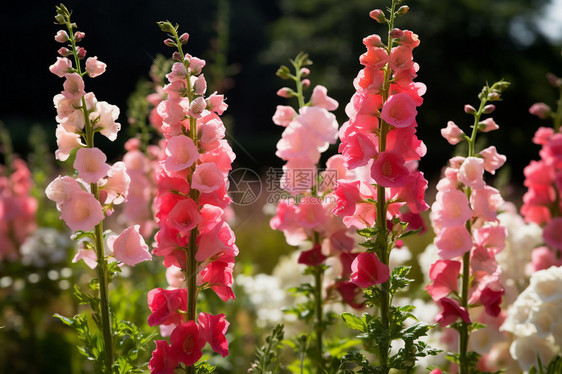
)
(534, 320)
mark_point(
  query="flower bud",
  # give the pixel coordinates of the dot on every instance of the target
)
(489, 108)
(59, 18)
(78, 36)
(396, 33)
(378, 15)
(403, 10)
(305, 72)
(540, 110)
(176, 57)
(494, 96)
(283, 72)
(184, 38)
(169, 43)
(305, 83)
(197, 107)
(81, 53)
(61, 36)
(469, 109)
(64, 52)
(488, 125)
(286, 92)
(554, 80)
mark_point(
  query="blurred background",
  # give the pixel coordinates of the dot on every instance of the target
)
(464, 44)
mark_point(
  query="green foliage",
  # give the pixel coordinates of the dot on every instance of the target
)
(554, 367)
(267, 356)
(375, 334)
(129, 340)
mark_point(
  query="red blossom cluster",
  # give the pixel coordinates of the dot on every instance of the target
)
(194, 239)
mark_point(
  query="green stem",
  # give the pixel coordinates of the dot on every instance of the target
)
(103, 278)
(319, 325)
(384, 128)
(558, 116)
(104, 296)
(464, 334)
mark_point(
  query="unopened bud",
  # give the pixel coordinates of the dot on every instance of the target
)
(286, 92)
(372, 41)
(170, 43)
(489, 109)
(64, 52)
(305, 72)
(377, 15)
(197, 107)
(176, 57)
(494, 96)
(305, 83)
(78, 36)
(59, 18)
(554, 80)
(283, 72)
(396, 33)
(488, 125)
(540, 110)
(81, 53)
(165, 26)
(403, 10)
(469, 109)
(61, 36)
(184, 38)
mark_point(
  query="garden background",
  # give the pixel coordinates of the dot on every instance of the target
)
(464, 43)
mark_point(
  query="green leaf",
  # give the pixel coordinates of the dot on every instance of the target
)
(354, 322)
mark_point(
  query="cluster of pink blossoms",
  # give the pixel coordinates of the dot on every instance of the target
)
(308, 133)
(379, 144)
(464, 217)
(85, 201)
(194, 239)
(138, 209)
(17, 209)
(542, 203)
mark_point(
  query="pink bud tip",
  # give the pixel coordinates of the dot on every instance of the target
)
(64, 52)
(469, 109)
(81, 53)
(78, 36)
(184, 38)
(285, 92)
(377, 15)
(169, 43)
(489, 108)
(305, 83)
(305, 72)
(396, 33)
(61, 36)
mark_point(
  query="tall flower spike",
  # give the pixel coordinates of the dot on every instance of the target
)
(304, 215)
(383, 187)
(84, 203)
(468, 235)
(193, 238)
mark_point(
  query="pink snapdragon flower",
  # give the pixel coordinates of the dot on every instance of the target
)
(452, 133)
(95, 68)
(181, 153)
(129, 247)
(368, 270)
(81, 211)
(186, 343)
(90, 164)
(399, 111)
